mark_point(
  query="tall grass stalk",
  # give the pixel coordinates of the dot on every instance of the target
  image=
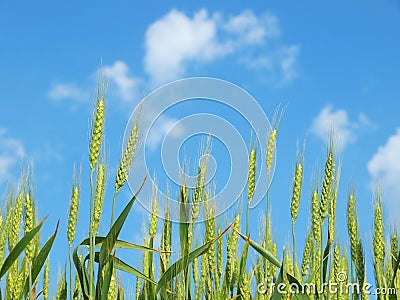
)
(95, 148)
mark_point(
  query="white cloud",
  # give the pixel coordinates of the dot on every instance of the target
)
(176, 41)
(70, 91)
(288, 62)
(252, 29)
(345, 131)
(127, 86)
(11, 152)
(385, 163)
(163, 127)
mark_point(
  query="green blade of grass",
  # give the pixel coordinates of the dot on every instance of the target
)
(123, 266)
(39, 261)
(276, 295)
(119, 244)
(107, 279)
(261, 250)
(110, 240)
(272, 259)
(301, 295)
(19, 248)
(80, 270)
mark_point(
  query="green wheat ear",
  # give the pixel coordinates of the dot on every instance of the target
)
(127, 157)
(62, 287)
(271, 144)
(394, 246)
(166, 234)
(327, 183)
(154, 215)
(316, 227)
(379, 236)
(352, 227)
(99, 197)
(97, 126)
(73, 210)
(29, 224)
(251, 178)
(297, 186)
(306, 255)
(46, 276)
(332, 207)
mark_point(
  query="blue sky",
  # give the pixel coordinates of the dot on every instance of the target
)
(328, 62)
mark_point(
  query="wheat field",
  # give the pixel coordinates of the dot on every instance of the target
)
(232, 261)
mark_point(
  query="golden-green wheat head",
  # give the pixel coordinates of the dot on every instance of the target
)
(154, 215)
(73, 214)
(166, 235)
(196, 270)
(210, 234)
(138, 287)
(46, 276)
(99, 197)
(29, 224)
(127, 158)
(16, 221)
(327, 184)
(379, 236)
(97, 129)
(315, 217)
(306, 255)
(232, 244)
(251, 177)
(145, 257)
(220, 254)
(394, 247)
(62, 287)
(18, 284)
(296, 191)
(6, 227)
(198, 192)
(332, 208)
(271, 144)
(336, 262)
(352, 227)
(271, 149)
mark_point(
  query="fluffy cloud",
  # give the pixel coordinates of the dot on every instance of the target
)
(287, 60)
(122, 84)
(163, 127)
(345, 131)
(11, 152)
(385, 164)
(126, 86)
(176, 40)
(68, 91)
(251, 29)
